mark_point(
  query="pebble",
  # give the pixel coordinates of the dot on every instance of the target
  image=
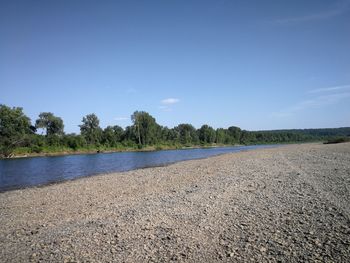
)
(146, 215)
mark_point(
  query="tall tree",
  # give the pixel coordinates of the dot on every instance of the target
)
(145, 126)
(112, 135)
(136, 119)
(118, 133)
(129, 136)
(187, 133)
(167, 135)
(90, 129)
(14, 128)
(235, 134)
(206, 134)
(49, 122)
(247, 137)
(220, 135)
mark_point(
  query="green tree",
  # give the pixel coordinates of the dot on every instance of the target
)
(112, 135)
(91, 130)
(49, 122)
(15, 127)
(145, 127)
(129, 137)
(187, 134)
(206, 134)
(235, 134)
(220, 135)
(248, 137)
(118, 133)
(164, 133)
(74, 141)
(173, 136)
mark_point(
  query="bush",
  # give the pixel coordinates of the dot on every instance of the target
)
(338, 140)
(36, 149)
(159, 147)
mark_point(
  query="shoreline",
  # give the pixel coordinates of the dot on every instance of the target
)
(289, 203)
(146, 149)
(96, 151)
(141, 168)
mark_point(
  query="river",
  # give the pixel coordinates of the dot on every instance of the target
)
(34, 171)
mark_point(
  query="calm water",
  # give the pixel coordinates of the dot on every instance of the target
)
(25, 172)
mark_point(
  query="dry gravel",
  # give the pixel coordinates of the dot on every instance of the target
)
(287, 204)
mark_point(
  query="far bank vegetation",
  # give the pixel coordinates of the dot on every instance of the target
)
(20, 136)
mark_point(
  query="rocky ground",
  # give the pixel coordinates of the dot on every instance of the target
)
(287, 204)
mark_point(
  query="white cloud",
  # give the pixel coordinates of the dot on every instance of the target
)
(335, 88)
(121, 118)
(169, 101)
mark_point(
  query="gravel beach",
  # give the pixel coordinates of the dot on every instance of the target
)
(285, 204)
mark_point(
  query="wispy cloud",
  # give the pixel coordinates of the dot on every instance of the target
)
(165, 108)
(131, 91)
(169, 101)
(330, 89)
(316, 102)
(339, 9)
(121, 118)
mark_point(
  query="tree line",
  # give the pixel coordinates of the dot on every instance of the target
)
(19, 135)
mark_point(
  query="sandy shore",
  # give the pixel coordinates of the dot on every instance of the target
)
(287, 204)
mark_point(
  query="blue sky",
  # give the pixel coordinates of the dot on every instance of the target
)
(253, 64)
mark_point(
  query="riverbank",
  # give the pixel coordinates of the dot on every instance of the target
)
(25, 154)
(290, 203)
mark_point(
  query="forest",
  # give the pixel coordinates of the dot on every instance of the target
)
(20, 136)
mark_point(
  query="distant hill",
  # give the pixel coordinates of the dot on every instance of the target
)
(294, 135)
(319, 132)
